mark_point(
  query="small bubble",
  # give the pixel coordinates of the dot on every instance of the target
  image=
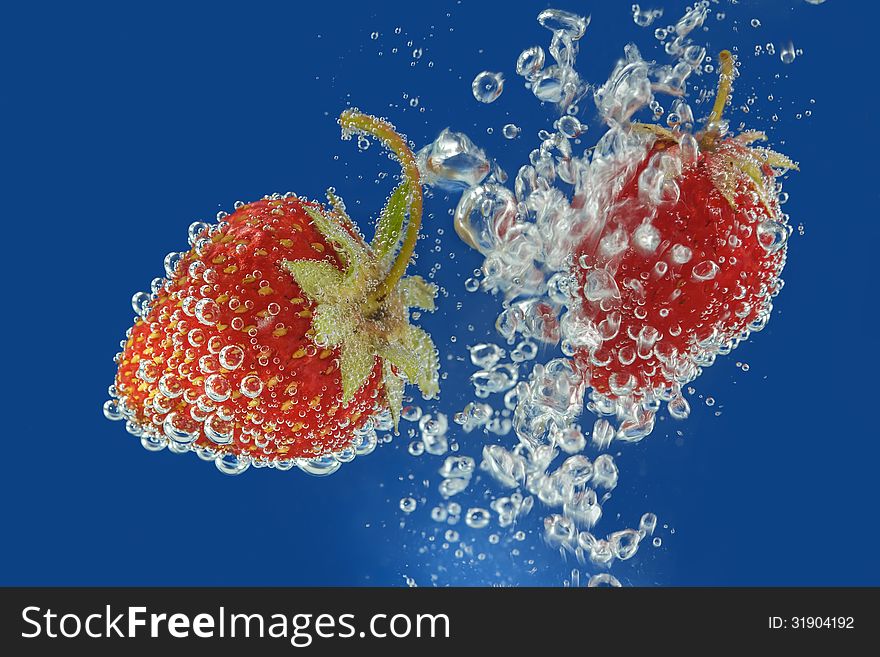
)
(530, 62)
(511, 131)
(569, 126)
(487, 86)
(217, 388)
(251, 386)
(112, 410)
(231, 357)
(477, 518)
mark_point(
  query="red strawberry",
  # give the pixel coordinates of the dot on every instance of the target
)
(281, 334)
(671, 282)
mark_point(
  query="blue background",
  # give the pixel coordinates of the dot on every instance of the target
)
(123, 123)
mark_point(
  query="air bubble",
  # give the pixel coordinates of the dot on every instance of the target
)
(172, 260)
(487, 86)
(604, 580)
(230, 464)
(112, 410)
(251, 386)
(705, 270)
(567, 23)
(140, 303)
(207, 311)
(530, 62)
(477, 518)
(217, 388)
(511, 131)
(231, 357)
(680, 254)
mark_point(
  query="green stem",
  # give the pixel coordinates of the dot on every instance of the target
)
(725, 84)
(354, 121)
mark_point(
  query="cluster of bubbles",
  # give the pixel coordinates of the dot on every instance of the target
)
(645, 17)
(527, 232)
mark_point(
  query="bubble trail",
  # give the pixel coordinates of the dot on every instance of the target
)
(641, 258)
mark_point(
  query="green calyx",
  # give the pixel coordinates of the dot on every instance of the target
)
(363, 309)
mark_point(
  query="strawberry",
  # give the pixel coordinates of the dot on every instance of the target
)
(281, 333)
(685, 266)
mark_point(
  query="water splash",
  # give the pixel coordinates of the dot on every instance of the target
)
(527, 235)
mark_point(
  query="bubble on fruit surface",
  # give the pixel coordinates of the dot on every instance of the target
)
(487, 86)
(231, 357)
(112, 410)
(772, 234)
(172, 260)
(140, 303)
(230, 464)
(705, 270)
(251, 386)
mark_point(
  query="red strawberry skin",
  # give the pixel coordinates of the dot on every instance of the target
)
(666, 307)
(225, 353)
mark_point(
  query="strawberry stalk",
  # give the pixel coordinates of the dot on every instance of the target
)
(409, 193)
(725, 86)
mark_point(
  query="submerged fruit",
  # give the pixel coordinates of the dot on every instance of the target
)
(687, 261)
(281, 336)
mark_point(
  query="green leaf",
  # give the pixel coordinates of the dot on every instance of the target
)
(318, 279)
(390, 225)
(777, 160)
(350, 250)
(656, 130)
(356, 362)
(414, 354)
(331, 328)
(393, 392)
(417, 292)
(750, 136)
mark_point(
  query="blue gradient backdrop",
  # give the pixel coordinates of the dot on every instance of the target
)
(124, 122)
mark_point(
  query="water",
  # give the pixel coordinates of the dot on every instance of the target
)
(530, 238)
(556, 253)
(261, 119)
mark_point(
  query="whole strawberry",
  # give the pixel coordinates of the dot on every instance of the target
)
(684, 268)
(281, 337)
